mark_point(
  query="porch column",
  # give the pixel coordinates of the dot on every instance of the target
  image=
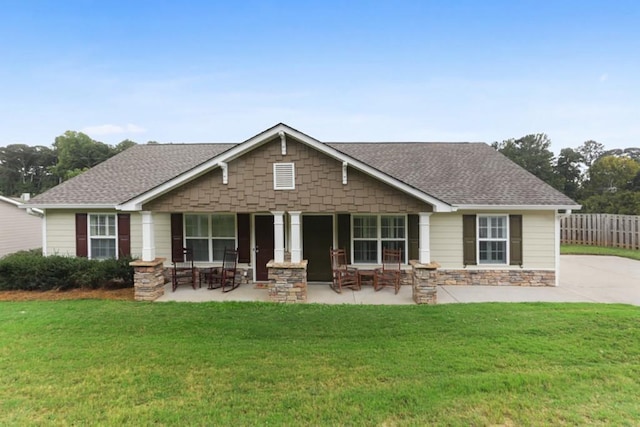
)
(296, 243)
(148, 237)
(278, 236)
(425, 239)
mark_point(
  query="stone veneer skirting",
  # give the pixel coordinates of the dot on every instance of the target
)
(424, 278)
(497, 277)
(287, 281)
(148, 279)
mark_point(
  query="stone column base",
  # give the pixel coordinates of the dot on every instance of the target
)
(148, 279)
(287, 281)
(425, 277)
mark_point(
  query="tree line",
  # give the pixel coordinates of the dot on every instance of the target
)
(35, 169)
(602, 181)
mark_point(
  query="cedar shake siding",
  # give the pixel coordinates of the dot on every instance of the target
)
(318, 187)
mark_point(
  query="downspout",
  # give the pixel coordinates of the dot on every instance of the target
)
(44, 234)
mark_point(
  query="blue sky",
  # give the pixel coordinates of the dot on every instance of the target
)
(209, 71)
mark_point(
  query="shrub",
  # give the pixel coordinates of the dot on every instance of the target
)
(27, 270)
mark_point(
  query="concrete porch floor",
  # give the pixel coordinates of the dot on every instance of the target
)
(316, 293)
(583, 278)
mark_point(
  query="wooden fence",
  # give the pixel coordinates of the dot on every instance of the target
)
(620, 231)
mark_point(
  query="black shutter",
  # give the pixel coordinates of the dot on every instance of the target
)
(82, 244)
(515, 239)
(344, 234)
(124, 235)
(469, 240)
(414, 237)
(177, 253)
(244, 238)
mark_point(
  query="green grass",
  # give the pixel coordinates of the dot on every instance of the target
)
(599, 250)
(126, 363)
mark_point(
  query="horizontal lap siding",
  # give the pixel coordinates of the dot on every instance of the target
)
(538, 239)
(136, 234)
(61, 232)
(18, 230)
(446, 239)
(319, 187)
(162, 227)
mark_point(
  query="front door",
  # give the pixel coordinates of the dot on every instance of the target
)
(263, 226)
(317, 235)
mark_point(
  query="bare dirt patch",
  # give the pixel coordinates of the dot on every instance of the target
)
(125, 294)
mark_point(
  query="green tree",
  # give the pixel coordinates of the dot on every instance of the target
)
(532, 153)
(123, 145)
(631, 152)
(78, 152)
(623, 202)
(635, 184)
(611, 174)
(568, 172)
(26, 169)
(591, 151)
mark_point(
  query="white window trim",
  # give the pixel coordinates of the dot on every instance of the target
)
(284, 176)
(90, 237)
(506, 239)
(379, 239)
(210, 238)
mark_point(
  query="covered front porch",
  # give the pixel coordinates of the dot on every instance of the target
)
(294, 252)
(286, 236)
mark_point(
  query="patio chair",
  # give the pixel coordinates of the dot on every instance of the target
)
(183, 271)
(225, 276)
(343, 275)
(389, 274)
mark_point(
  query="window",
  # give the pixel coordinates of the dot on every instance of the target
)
(492, 239)
(393, 232)
(365, 239)
(102, 236)
(208, 235)
(284, 177)
(372, 233)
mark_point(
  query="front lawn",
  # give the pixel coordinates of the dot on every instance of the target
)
(124, 363)
(599, 250)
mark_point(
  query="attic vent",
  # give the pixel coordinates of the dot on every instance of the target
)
(284, 177)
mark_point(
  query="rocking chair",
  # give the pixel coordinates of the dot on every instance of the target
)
(183, 271)
(389, 274)
(343, 275)
(224, 277)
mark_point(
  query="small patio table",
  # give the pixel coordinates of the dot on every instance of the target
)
(365, 275)
(206, 275)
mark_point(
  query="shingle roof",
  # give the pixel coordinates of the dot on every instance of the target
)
(455, 173)
(130, 173)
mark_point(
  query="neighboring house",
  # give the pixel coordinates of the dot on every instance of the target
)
(20, 229)
(285, 195)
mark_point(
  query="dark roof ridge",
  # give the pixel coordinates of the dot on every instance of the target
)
(191, 143)
(407, 142)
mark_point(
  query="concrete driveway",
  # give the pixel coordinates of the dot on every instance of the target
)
(583, 278)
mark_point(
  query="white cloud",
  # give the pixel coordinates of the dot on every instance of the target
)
(111, 129)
